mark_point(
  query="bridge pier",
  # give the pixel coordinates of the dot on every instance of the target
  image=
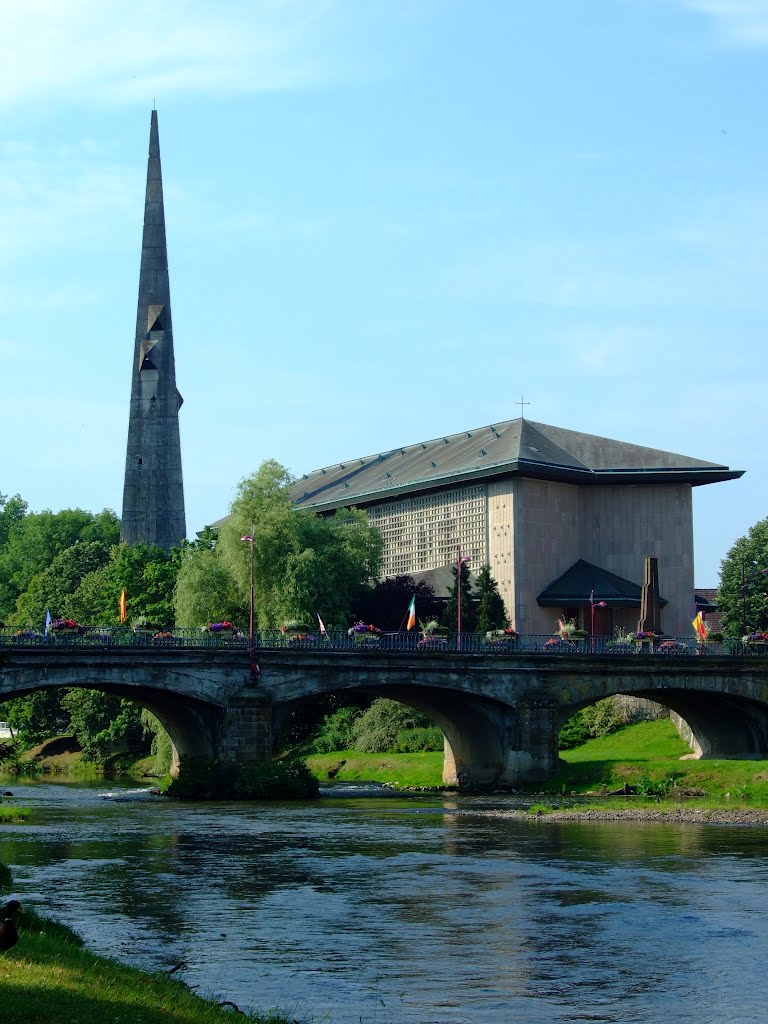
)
(246, 729)
(501, 746)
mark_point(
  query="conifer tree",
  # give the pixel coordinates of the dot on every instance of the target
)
(468, 613)
(491, 613)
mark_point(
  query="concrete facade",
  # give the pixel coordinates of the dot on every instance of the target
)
(532, 501)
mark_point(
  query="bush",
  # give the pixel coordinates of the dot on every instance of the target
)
(336, 731)
(376, 731)
(201, 779)
(599, 719)
(275, 780)
(412, 741)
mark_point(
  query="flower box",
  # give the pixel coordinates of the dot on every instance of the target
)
(366, 639)
(672, 647)
(502, 639)
(432, 641)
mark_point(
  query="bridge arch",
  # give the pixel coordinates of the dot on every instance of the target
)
(474, 728)
(192, 725)
(715, 723)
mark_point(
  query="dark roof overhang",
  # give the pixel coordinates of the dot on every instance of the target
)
(522, 467)
(584, 583)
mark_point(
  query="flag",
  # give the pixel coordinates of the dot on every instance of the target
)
(121, 606)
(698, 626)
(47, 621)
(322, 626)
(411, 613)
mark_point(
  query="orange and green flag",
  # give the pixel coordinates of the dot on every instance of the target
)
(411, 613)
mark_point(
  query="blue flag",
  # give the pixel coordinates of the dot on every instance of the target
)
(47, 621)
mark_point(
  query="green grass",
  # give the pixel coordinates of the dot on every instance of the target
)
(405, 770)
(48, 976)
(12, 813)
(651, 751)
(646, 755)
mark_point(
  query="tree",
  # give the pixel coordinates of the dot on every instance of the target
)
(303, 563)
(101, 721)
(386, 603)
(376, 730)
(743, 594)
(491, 613)
(35, 539)
(50, 589)
(206, 590)
(468, 615)
(36, 717)
(148, 574)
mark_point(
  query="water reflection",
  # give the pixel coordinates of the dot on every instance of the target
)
(408, 910)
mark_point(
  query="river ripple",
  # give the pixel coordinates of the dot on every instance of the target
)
(391, 910)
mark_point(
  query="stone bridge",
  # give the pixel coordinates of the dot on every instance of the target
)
(500, 713)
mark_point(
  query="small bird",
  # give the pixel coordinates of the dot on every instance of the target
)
(8, 934)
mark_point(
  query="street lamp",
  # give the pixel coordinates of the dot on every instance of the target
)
(592, 605)
(460, 560)
(255, 670)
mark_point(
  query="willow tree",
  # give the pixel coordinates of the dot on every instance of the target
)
(303, 564)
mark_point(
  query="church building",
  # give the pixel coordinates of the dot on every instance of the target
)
(565, 520)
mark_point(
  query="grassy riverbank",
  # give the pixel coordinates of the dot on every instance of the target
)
(49, 976)
(644, 758)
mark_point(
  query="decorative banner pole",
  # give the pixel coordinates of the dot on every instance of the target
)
(255, 670)
(592, 605)
(460, 560)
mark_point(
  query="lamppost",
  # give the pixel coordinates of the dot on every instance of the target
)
(255, 670)
(460, 560)
(592, 605)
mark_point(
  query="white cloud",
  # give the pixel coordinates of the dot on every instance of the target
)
(106, 52)
(742, 22)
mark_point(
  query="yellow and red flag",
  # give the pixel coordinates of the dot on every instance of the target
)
(121, 606)
(698, 626)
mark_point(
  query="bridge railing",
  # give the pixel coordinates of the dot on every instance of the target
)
(413, 642)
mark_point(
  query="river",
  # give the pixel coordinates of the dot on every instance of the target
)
(380, 910)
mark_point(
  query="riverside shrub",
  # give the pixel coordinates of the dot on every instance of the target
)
(201, 779)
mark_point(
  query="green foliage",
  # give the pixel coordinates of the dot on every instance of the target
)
(386, 603)
(200, 779)
(743, 594)
(378, 728)
(598, 719)
(161, 746)
(303, 563)
(206, 590)
(656, 789)
(35, 539)
(491, 613)
(450, 616)
(36, 717)
(275, 780)
(539, 810)
(101, 721)
(336, 731)
(574, 732)
(410, 741)
(51, 589)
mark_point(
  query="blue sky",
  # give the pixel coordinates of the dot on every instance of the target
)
(387, 220)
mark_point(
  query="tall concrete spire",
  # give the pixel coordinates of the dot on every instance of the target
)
(153, 494)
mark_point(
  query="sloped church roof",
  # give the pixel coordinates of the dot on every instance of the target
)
(513, 447)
